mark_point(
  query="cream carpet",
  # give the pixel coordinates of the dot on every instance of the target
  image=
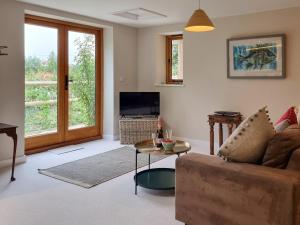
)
(34, 199)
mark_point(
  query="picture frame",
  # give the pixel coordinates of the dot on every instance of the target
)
(258, 57)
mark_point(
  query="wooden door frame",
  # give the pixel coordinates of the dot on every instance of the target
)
(169, 39)
(52, 138)
(37, 143)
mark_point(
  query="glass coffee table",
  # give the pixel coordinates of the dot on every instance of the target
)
(157, 178)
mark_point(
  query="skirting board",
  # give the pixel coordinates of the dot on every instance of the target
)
(111, 137)
(195, 141)
(8, 162)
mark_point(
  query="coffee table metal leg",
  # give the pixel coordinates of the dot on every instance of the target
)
(136, 153)
(149, 162)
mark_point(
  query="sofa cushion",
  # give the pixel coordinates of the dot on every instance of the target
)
(289, 115)
(282, 126)
(297, 111)
(281, 147)
(294, 162)
(248, 142)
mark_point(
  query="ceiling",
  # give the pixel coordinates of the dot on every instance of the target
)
(177, 11)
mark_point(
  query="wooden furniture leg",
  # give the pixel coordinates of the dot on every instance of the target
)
(14, 136)
(220, 134)
(230, 127)
(212, 137)
(230, 121)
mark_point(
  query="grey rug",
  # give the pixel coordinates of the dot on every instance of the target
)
(97, 169)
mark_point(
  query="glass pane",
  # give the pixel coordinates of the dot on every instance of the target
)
(40, 80)
(81, 80)
(177, 59)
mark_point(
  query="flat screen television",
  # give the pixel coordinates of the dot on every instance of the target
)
(139, 104)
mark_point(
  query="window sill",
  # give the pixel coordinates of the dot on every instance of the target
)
(169, 85)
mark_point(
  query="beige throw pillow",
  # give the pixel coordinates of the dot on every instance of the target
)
(248, 142)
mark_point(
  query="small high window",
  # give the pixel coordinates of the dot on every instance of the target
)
(174, 54)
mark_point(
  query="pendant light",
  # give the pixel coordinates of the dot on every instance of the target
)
(199, 22)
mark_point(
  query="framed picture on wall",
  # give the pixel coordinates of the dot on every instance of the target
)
(261, 57)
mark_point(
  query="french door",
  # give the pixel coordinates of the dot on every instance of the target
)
(63, 64)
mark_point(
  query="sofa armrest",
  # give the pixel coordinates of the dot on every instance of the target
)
(294, 163)
(210, 191)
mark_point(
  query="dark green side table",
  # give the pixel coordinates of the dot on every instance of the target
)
(157, 178)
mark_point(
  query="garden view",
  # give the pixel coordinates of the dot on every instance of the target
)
(41, 86)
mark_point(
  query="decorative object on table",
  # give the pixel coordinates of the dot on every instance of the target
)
(160, 122)
(1, 50)
(91, 171)
(158, 178)
(154, 137)
(199, 22)
(11, 131)
(168, 144)
(156, 144)
(248, 142)
(159, 132)
(256, 57)
(168, 134)
(230, 120)
(281, 147)
(226, 113)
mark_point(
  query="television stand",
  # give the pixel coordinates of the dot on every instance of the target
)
(136, 129)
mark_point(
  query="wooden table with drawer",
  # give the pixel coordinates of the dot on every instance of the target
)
(11, 131)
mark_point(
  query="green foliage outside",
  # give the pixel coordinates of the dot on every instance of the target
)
(41, 97)
(175, 60)
(83, 87)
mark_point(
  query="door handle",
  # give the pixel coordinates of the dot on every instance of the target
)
(67, 81)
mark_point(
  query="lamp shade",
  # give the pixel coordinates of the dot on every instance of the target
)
(199, 22)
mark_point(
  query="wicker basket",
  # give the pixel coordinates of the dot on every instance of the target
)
(136, 130)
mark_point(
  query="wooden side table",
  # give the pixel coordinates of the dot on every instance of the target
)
(11, 131)
(231, 121)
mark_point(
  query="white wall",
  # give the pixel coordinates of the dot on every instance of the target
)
(108, 83)
(207, 89)
(125, 59)
(120, 62)
(12, 74)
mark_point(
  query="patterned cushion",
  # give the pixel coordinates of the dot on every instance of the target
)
(289, 115)
(248, 142)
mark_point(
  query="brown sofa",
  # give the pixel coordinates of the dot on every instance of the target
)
(210, 191)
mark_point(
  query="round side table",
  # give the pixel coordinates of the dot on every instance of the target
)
(157, 178)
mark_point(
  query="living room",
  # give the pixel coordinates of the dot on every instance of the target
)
(133, 41)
